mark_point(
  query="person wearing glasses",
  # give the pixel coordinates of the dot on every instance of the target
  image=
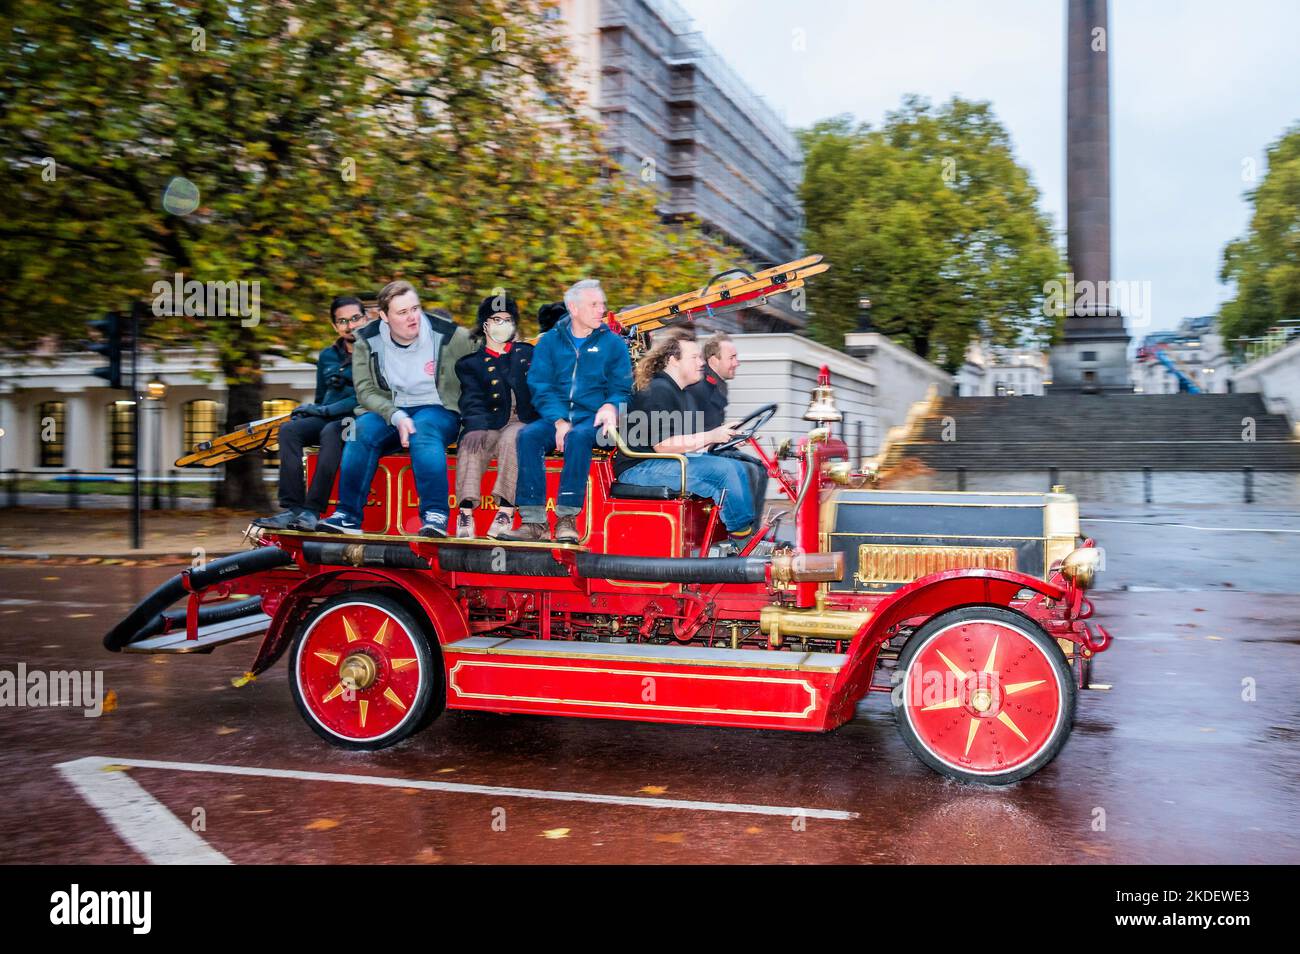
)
(495, 404)
(319, 424)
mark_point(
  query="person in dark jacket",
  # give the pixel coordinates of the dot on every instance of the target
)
(710, 396)
(663, 419)
(495, 404)
(581, 374)
(319, 424)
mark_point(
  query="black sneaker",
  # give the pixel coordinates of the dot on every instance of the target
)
(339, 522)
(435, 525)
(281, 521)
(306, 520)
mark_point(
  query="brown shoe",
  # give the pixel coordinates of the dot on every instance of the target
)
(566, 530)
(528, 533)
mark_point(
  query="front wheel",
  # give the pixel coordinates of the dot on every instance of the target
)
(987, 696)
(366, 674)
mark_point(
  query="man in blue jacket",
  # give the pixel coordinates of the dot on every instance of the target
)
(581, 375)
(319, 424)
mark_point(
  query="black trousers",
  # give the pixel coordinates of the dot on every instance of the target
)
(303, 432)
(758, 479)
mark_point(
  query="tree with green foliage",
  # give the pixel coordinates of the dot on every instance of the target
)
(315, 148)
(1265, 263)
(933, 221)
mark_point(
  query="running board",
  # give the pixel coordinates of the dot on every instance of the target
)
(649, 653)
(209, 637)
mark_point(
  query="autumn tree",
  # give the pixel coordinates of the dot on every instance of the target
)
(1265, 263)
(317, 147)
(933, 221)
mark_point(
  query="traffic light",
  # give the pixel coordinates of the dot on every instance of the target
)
(109, 345)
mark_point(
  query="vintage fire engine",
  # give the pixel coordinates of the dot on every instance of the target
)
(967, 611)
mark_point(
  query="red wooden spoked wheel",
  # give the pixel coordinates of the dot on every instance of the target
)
(987, 696)
(365, 673)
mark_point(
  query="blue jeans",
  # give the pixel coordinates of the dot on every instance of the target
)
(435, 428)
(707, 475)
(535, 442)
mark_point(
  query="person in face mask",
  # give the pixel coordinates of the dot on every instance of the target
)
(495, 405)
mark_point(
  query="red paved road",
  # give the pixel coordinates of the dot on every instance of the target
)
(1185, 770)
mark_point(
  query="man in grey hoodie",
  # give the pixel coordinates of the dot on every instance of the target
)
(404, 369)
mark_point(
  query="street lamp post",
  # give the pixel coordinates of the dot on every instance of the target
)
(157, 392)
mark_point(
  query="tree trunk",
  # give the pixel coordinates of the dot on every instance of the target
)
(243, 488)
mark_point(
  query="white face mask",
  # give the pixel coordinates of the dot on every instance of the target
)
(501, 332)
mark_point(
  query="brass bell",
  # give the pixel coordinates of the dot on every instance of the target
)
(822, 408)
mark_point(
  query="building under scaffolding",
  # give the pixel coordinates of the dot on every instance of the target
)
(678, 118)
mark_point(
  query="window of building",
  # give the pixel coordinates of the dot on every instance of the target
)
(202, 422)
(1089, 356)
(121, 434)
(271, 456)
(50, 433)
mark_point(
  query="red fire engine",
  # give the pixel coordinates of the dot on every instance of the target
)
(967, 611)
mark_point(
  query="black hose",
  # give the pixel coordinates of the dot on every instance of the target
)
(208, 614)
(146, 618)
(396, 555)
(603, 566)
(500, 560)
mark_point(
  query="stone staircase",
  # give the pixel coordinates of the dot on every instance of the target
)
(1166, 432)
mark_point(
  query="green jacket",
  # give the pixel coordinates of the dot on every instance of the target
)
(373, 392)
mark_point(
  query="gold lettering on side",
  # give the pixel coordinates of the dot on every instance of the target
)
(885, 563)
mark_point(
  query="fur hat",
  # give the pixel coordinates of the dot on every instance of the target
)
(492, 304)
(548, 316)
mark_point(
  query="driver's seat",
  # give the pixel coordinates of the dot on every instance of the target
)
(622, 491)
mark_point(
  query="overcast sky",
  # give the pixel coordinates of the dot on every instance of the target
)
(1198, 87)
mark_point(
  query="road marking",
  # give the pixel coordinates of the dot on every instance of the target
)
(97, 764)
(141, 820)
(1186, 526)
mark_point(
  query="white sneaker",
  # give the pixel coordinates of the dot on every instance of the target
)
(501, 523)
(464, 524)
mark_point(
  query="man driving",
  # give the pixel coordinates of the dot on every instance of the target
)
(710, 396)
(664, 418)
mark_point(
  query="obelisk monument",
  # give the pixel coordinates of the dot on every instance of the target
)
(1093, 353)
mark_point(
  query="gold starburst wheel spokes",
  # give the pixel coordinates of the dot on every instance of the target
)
(983, 695)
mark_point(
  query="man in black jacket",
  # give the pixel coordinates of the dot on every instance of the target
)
(319, 423)
(495, 404)
(710, 397)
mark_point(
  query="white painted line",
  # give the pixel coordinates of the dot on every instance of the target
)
(461, 787)
(141, 820)
(1186, 526)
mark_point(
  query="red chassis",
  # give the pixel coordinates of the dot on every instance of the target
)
(636, 621)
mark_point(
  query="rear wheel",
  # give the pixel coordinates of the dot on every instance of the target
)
(987, 695)
(366, 672)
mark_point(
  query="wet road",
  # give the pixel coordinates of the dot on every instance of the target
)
(1172, 765)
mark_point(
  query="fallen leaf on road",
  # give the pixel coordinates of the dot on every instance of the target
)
(110, 700)
(79, 615)
(1217, 639)
(445, 771)
(753, 830)
(226, 730)
(653, 789)
(676, 838)
(116, 768)
(51, 578)
(322, 824)
(427, 856)
(556, 833)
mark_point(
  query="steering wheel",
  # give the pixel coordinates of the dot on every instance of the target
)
(747, 428)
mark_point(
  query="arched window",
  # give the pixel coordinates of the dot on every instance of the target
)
(271, 456)
(50, 433)
(202, 422)
(121, 434)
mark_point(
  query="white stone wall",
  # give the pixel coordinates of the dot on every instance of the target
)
(1277, 378)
